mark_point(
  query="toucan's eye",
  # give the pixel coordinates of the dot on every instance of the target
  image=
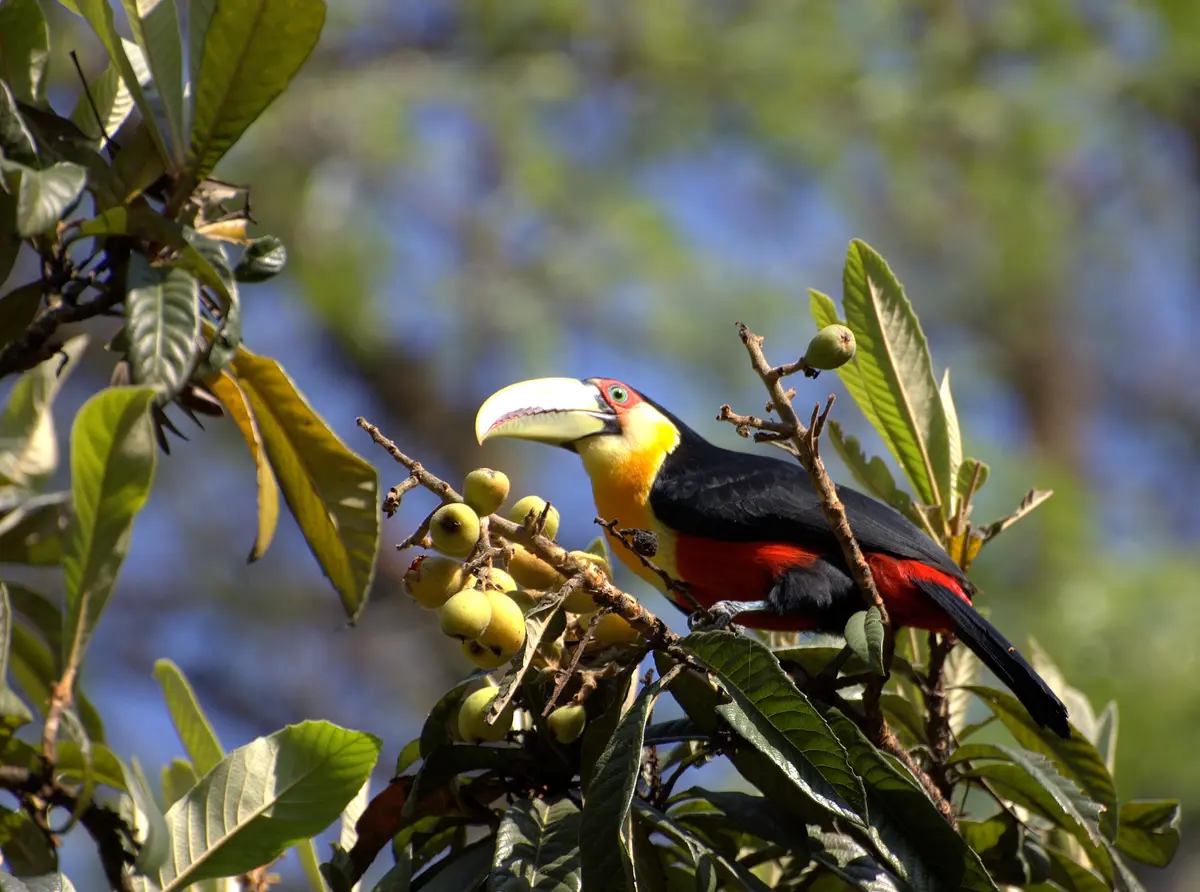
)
(618, 394)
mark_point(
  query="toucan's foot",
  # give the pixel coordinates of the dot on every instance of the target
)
(721, 615)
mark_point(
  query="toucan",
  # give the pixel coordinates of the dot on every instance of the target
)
(744, 531)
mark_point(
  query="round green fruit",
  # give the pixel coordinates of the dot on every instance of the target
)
(831, 347)
(537, 505)
(482, 657)
(485, 490)
(466, 614)
(505, 634)
(500, 581)
(432, 579)
(532, 572)
(454, 529)
(471, 725)
(613, 629)
(567, 722)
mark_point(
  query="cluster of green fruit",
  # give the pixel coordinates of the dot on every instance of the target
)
(566, 723)
(485, 609)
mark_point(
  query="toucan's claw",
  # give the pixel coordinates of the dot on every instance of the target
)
(721, 615)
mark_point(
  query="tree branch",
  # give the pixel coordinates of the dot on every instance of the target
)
(40, 791)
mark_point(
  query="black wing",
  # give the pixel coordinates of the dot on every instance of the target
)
(704, 490)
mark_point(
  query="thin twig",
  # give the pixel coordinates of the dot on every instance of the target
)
(108, 146)
(33, 346)
(391, 502)
(937, 718)
(628, 539)
(562, 676)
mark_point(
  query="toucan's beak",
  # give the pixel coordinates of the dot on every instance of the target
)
(558, 411)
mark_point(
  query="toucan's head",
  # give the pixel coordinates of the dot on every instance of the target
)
(614, 428)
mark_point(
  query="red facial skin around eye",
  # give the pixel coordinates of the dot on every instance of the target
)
(605, 383)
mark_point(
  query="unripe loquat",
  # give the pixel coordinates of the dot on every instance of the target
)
(454, 529)
(485, 490)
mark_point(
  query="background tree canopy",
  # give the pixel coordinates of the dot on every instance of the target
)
(475, 192)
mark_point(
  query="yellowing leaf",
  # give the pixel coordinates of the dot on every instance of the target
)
(226, 388)
(332, 492)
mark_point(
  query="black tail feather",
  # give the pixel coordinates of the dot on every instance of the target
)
(995, 651)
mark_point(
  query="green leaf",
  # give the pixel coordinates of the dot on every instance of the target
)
(953, 432)
(462, 871)
(263, 258)
(35, 671)
(32, 532)
(142, 221)
(332, 492)
(1075, 758)
(310, 865)
(13, 713)
(906, 825)
(854, 864)
(44, 196)
(1149, 831)
(24, 49)
(604, 847)
(250, 52)
(162, 323)
(864, 636)
(28, 443)
(37, 610)
(155, 25)
(1030, 779)
(16, 142)
(891, 376)
(771, 714)
(106, 767)
(177, 779)
(1106, 735)
(99, 15)
(53, 882)
(194, 730)
(112, 467)
(872, 474)
(18, 306)
(225, 388)
(111, 98)
(599, 731)
(149, 822)
(27, 850)
(961, 670)
(263, 798)
(703, 856)
(1069, 874)
(435, 733)
(758, 816)
(966, 473)
(162, 313)
(537, 848)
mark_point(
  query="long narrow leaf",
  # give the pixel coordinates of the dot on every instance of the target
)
(195, 731)
(893, 364)
(785, 721)
(607, 866)
(332, 492)
(112, 466)
(99, 14)
(155, 25)
(251, 50)
(226, 389)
